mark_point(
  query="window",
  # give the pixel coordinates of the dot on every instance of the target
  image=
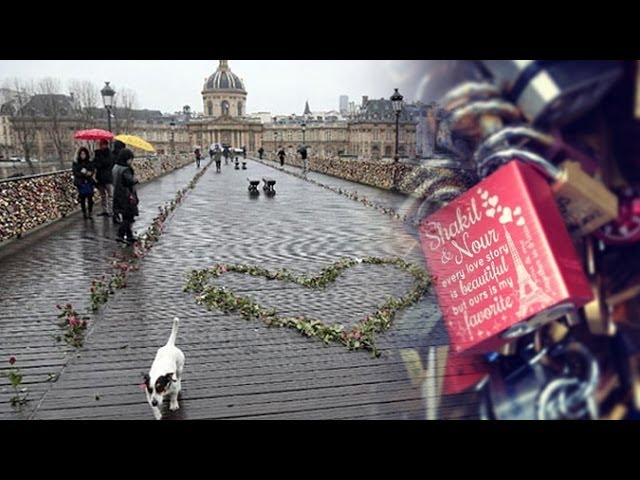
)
(225, 107)
(239, 109)
(210, 108)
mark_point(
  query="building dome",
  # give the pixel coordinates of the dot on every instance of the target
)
(223, 79)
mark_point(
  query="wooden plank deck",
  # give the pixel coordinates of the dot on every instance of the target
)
(234, 368)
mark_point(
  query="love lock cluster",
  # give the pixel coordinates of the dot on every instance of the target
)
(537, 263)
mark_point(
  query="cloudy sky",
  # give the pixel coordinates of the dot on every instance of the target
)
(277, 86)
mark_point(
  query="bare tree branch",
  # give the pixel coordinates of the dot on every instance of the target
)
(55, 109)
(16, 96)
(85, 96)
(124, 103)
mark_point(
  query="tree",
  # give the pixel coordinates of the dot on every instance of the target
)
(55, 108)
(124, 103)
(85, 98)
(15, 97)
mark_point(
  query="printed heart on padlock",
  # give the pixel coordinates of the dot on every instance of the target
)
(360, 336)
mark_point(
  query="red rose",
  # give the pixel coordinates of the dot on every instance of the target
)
(12, 360)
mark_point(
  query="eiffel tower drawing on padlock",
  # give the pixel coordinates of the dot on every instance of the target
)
(529, 292)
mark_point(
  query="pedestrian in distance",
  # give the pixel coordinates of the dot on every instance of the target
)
(217, 156)
(281, 154)
(198, 157)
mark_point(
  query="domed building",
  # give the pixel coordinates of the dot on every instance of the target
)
(224, 98)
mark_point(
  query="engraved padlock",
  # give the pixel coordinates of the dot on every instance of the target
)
(501, 256)
(554, 92)
(585, 204)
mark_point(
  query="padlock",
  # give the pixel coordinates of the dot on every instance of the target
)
(552, 93)
(561, 388)
(624, 229)
(585, 204)
(471, 112)
(502, 256)
(597, 311)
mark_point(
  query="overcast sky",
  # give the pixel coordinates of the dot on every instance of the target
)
(277, 86)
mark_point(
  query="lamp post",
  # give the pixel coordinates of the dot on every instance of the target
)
(275, 142)
(304, 167)
(107, 97)
(173, 142)
(396, 102)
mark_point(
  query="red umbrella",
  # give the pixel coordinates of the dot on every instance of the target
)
(93, 134)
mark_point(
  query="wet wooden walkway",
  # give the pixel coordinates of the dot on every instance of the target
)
(234, 368)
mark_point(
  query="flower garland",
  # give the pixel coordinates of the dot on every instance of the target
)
(74, 326)
(361, 336)
(102, 288)
(350, 195)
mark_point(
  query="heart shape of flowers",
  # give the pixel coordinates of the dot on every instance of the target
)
(361, 336)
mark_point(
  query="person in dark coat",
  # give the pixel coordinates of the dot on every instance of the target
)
(118, 146)
(198, 157)
(281, 154)
(217, 155)
(125, 197)
(244, 152)
(260, 152)
(225, 154)
(103, 163)
(83, 171)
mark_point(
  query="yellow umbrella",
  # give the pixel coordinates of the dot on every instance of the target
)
(137, 142)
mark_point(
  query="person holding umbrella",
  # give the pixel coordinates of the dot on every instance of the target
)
(103, 163)
(83, 170)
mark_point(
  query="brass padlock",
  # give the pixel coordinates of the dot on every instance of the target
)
(597, 311)
(585, 204)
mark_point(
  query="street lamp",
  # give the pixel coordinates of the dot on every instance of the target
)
(107, 97)
(275, 141)
(396, 102)
(173, 142)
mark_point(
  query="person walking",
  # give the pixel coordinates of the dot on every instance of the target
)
(118, 146)
(281, 154)
(83, 171)
(198, 157)
(217, 156)
(125, 197)
(226, 153)
(244, 153)
(303, 154)
(260, 152)
(103, 163)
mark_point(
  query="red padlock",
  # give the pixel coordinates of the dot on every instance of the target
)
(501, 255)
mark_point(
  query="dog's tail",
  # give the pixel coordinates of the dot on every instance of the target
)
(174, 332)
